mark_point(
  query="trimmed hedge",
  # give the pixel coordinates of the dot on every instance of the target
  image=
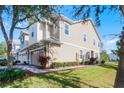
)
(85, 63)
(11, 75)
(64, 64)
(4, 63)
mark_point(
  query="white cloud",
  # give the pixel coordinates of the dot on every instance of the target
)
(111, 42)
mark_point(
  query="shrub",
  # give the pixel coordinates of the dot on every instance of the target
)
(87, 62)
(3, 62)
(15, 62)
(63, 64)
(82, 63)
(92, 60)
(11, 75)
(43, 60)
(97, 62)
(102, 62)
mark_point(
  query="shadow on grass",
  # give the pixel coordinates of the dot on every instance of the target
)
(66, 80)
(109, 66)
(61, 79)
(16, 85)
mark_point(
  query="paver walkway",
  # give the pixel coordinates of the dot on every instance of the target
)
(36, 70)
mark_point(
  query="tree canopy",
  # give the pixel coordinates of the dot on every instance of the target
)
(22, 14)
(86, 11)
(104, 56)
(21, 17)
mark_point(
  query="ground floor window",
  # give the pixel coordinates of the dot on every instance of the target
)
(81, 54)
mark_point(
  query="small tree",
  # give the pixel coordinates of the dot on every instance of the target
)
(16, 16)
(104, 56)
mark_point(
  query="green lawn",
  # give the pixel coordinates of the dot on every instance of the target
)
(91, 76)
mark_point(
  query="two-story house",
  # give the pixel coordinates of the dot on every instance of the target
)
(63, 40)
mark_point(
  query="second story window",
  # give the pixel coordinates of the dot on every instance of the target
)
(93, 41)
(56, 28)
(84, 38)
(22, 40)
(32, 34)
(66, 29)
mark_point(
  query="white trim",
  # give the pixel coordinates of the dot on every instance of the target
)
(74, 45)
(70, 21)
(36, 49)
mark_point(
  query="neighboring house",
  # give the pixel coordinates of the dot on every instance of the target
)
(15, 49)
(64, 41)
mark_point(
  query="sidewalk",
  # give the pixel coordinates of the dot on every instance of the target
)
(36, 70)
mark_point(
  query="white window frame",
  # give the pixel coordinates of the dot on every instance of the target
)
(68, 29)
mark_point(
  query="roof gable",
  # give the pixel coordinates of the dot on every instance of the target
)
(90, 20)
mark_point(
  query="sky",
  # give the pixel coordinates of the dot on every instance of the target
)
(110, 24)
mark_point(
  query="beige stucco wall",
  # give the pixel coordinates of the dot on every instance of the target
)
(33, 39)
(73, 42)
(40, 30)
(64, 53)
(67, 52)
(76, 35)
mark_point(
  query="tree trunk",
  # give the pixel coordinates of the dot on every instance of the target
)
(119, 82)
(9, 55)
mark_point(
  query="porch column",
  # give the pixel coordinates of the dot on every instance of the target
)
(60, 30)
(47, 33)
(28, 55)
(53, 28)
(31, 57)
(17, 55)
